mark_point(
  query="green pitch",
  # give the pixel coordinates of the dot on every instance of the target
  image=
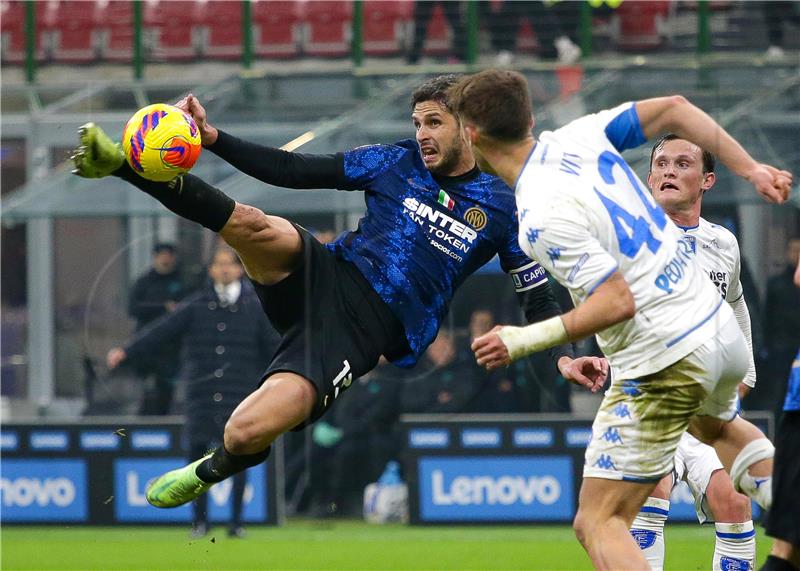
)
(335, 545)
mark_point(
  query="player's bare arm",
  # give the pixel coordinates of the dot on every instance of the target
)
(676, 114)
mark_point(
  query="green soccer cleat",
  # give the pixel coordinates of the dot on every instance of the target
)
(177, 487)
(97, 156)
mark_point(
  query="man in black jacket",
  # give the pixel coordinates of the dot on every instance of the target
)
(225, 343)
(154, 294)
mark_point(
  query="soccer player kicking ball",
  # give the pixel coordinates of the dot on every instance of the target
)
(432, 219)
(680, 175)
(676, 351)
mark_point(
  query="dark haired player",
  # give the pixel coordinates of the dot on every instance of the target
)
(432, 219)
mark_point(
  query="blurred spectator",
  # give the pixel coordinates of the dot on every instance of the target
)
(496, 390)
(782, 319)
(362, 436)
(423, 12)
(776, 15)
(226, 342)
(154, 294)
(554, 43)
(447, 382)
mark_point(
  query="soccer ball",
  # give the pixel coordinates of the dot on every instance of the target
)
(161, 142)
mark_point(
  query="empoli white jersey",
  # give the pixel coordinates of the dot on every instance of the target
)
(719, 257)
(584, 214)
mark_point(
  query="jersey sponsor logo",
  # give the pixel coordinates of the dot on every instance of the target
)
(677, 267)
(445, 232)
(720, 280)
(577, 267)
(476, 218)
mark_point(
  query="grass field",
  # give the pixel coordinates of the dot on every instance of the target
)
(327, 545)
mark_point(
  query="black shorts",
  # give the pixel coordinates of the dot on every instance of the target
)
(333, 325)
(783, 520)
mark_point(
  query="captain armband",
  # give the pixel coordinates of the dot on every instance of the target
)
(528, 277)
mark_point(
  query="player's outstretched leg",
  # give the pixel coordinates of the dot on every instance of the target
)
(97, 156)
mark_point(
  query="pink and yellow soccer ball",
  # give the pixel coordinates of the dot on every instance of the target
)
(161, 142)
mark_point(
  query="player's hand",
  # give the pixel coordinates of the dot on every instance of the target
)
(116, 356)
(490, 351)
(191, 105)
(589, 372)
(744, 390)
(772, 184)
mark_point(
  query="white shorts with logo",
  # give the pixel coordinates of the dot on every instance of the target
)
(641, 421)
(695, 463)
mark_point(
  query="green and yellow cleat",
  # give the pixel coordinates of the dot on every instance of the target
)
(97, 155)
(177, 487)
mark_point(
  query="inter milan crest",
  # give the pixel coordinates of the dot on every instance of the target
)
(476, 218)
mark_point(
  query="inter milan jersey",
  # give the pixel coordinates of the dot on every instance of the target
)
(421, 236)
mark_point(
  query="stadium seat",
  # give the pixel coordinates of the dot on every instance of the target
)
(171, 28)
(642, 25)
(526, 38)
(221, 29)
(71, 24)
(114, 21)
(387, 26)
(438, 40)
(327, 28)
(276, 28)
(12, 31)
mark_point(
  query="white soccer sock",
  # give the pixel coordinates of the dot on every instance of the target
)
(735, 549)
(648, 531)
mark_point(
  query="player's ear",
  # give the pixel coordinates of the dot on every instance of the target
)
(650, 180)
(709, 179)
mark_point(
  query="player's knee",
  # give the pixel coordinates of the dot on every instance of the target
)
(581, 525)
(246, 225)
(727, 504)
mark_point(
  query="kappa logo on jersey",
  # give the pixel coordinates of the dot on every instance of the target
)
(476, 218)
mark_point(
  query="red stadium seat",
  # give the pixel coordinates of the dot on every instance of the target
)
(526, 38)
(72, 27)
(438, 40)
(276, 28)
(642, 24)
(172, 28)
(387, 25)
(114, 20)
(221, 25)
(12, 31)
(327, 28)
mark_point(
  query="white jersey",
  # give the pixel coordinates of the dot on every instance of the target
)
(584, 214)
(719, 257)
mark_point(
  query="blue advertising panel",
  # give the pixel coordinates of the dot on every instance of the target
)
(131, 476)
(428, 438)
(43, 490)
(495, 488)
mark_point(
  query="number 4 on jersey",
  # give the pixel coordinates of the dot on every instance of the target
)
(638, 228)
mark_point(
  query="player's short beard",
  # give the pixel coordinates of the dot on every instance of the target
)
(451, 156)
